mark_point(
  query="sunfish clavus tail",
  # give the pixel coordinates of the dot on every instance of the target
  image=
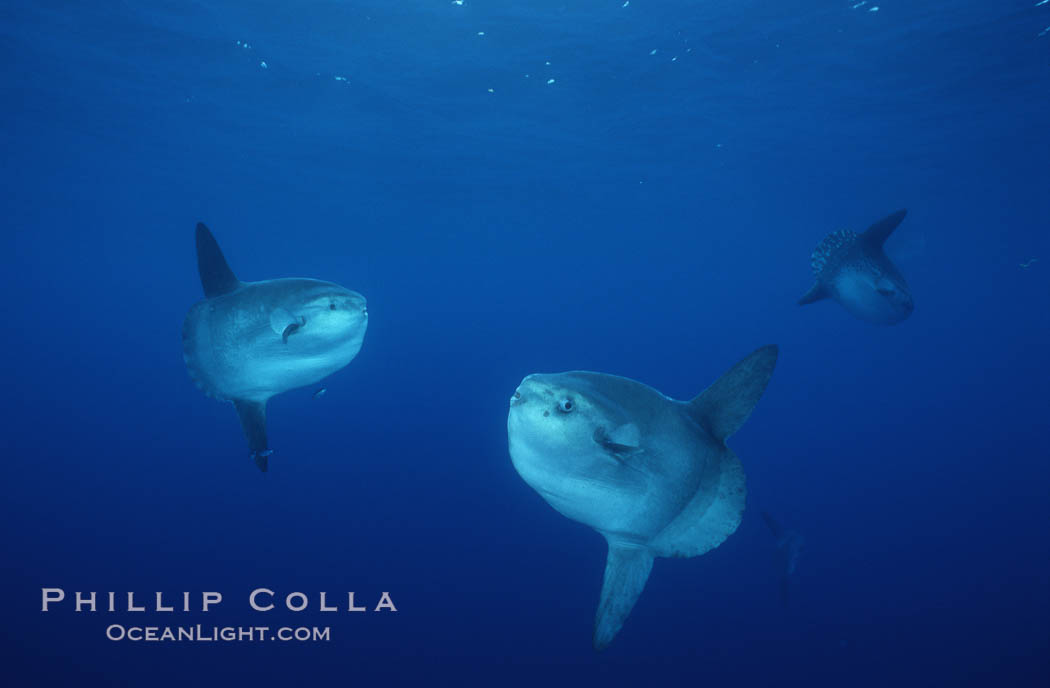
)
(248, 341)
(854, 270)
(651, 474)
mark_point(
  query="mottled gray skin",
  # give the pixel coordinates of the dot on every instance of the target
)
(651, 474)
(853, 270)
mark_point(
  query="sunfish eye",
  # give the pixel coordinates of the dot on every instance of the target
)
(566, 405)
(331, 306)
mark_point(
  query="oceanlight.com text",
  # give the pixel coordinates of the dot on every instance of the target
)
(205, 634)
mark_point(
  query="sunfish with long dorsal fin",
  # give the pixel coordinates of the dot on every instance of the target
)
(789, 546)
(248, 341)
(853, 269)
(651, 474)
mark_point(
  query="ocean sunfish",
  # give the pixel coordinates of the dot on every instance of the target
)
(247, 341)
(852, 269)
(651, 474)
(789, 546)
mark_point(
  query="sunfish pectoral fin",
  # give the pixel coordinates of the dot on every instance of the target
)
(284, 323)
(253, 421)
(876, 235)
(289, 331)
(816, 293)
(885, 286)
(724, 406)
(626, 571)
(621, 442)
(216, 276)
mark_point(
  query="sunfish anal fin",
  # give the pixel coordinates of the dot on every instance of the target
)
(626, 571)
(816, 293)
(253, 421)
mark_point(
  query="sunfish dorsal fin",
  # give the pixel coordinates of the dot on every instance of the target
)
(876, 235)
(253, 421)
(216, 276)
(724, 406)
(626, 571)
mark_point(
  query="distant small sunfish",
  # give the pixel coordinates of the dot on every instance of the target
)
(320, 393)
(789, 546)
(247, 341)
(853, 269)
(651, 474)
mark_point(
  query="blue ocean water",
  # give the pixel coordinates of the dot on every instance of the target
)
(632, 188)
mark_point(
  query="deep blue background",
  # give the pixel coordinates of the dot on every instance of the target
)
(641, 215)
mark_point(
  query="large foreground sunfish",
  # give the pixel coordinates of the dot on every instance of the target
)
(651, 474)
(852, 269)
(247, 341)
